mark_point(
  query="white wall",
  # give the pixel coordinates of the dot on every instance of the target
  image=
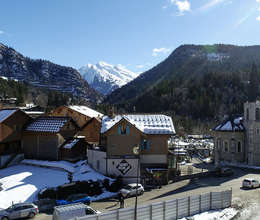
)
(128, 169)
(93, 157)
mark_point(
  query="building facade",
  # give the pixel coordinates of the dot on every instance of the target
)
(237, 140)
(127, 140)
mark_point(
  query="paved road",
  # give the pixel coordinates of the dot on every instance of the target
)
(183, 189)
(187, 188)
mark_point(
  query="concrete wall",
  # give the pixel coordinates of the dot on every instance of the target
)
(171, 209)
(93, 157)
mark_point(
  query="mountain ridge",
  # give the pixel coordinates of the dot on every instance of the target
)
(188, 82)
(44, 74)
(105, 77)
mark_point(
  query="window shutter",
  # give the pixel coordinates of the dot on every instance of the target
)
(127, 130)
(119, 130)
(142, 145)
(147, 144)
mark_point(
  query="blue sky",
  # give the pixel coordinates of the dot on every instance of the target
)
(137, 34)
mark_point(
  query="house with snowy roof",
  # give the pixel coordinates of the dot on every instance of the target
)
(127, 140)
(237, 139)
(11, 125)
(44, 136)
(88, 120)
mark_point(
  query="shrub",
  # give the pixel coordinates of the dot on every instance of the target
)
(116, 185)
(49, 193)
(106, 184)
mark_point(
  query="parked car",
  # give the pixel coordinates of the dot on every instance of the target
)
(75, 198)
(72, 211)
(19, 210)
(130, 190)
(224, 171)
(250, 183)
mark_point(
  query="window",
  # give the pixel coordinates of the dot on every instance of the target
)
(225, 146)
(239, 147)
(257, 131)
(123, 129)
(257, 114)
(145, 145)
(247, 114)
(218, 143)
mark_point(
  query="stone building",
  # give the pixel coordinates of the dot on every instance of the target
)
(237, 139)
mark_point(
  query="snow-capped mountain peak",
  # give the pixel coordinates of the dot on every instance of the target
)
(105, 77)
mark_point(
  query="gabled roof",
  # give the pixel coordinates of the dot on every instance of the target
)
(148, 124)
(234, 123)
(47, 124)
(89, 121)
(86, 111)
(6, 113)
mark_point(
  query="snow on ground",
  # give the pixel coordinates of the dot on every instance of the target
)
(225, 214)
(23, 182)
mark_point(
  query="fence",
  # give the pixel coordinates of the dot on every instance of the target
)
(172, 209)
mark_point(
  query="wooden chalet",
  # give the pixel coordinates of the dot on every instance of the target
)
(11, 125)
(43, 137)
(88, 120)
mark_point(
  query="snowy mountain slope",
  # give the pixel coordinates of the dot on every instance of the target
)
(105, 77)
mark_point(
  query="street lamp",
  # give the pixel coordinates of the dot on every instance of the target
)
(136, 151)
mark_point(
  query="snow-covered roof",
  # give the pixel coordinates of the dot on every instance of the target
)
(47, 124)
(5, 113)
(148, 124)
(232, 124)
(70, 144)
(86, 111)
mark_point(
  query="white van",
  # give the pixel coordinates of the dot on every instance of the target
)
(250, 183)
(72, 211)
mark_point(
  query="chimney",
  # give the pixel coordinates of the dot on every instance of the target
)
(111, 113)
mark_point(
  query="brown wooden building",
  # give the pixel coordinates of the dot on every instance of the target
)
(74, 149)
(123, 135)
(44, 136)
(11, 125)
(88, 120)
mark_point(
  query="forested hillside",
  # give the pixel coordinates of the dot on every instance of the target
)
(196, 82)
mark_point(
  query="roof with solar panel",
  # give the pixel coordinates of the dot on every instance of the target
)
(148, 124)
(47, 124)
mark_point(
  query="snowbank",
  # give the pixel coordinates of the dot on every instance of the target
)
(21, 183)
(225, 214)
